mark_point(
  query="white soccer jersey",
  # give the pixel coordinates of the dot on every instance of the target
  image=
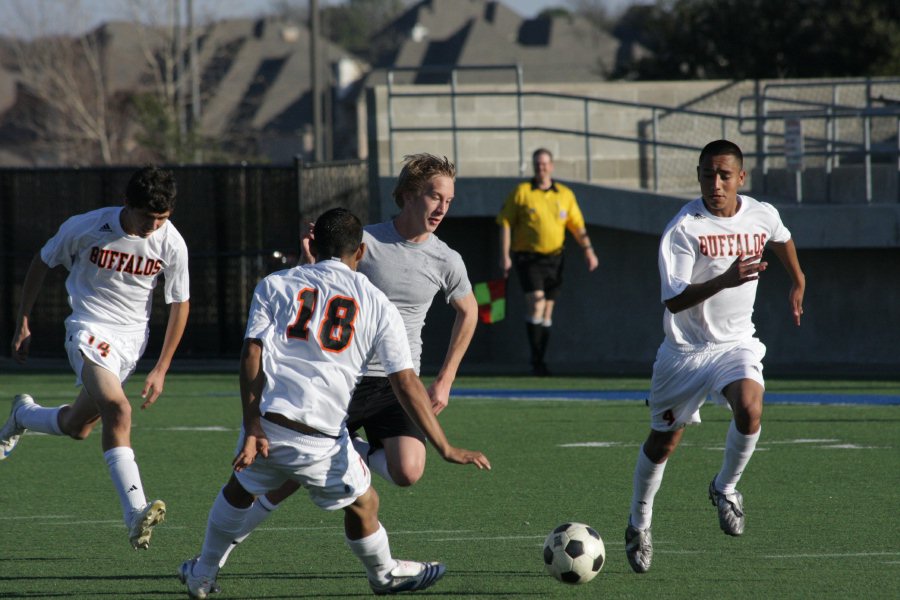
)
(112, 274)
(697, 246)
(319, 325)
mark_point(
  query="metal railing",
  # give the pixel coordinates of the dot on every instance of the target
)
(760, 117)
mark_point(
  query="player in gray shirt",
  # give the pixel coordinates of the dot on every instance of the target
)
(406, 261)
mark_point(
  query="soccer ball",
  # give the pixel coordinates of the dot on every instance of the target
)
(574, 553)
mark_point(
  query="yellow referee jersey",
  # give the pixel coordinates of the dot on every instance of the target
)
(538, 218)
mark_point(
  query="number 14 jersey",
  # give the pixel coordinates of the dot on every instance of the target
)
(319, 326)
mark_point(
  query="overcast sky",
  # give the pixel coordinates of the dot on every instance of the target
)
(35, 17)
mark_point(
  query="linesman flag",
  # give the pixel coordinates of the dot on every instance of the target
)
(491, 298)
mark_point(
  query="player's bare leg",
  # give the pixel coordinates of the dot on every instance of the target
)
(746, 400)
(78, 419)
(368, 541)
(105, 389)
(405, 457)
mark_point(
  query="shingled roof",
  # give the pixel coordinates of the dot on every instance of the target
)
(486, 32)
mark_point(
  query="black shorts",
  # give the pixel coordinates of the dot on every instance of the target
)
(376, 409)
(540, 272)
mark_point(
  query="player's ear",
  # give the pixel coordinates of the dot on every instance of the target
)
(361, 251)
(313, 250)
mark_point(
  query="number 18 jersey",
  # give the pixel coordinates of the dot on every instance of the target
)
(319, 326)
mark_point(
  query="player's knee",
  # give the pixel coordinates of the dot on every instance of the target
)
(407, 474)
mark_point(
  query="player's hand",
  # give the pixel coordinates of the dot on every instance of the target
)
(21, 343)
(255, 443)
(796, 299)
(306, 255)
(153, 386)
(253, 446)
(505, 264)
(461, 456)
(439, 394)
(743, 269)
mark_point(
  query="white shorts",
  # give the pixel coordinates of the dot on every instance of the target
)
(117, 353)
(330, 469)
(682, 381)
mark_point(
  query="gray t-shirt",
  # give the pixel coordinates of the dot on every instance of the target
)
(410, 274)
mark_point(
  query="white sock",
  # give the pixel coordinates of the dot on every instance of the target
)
(225, 523)
(126, 479)
(374, 552)
(378, 463)
(648, 477)
(37, 418)
(738, 450)
(258, 512)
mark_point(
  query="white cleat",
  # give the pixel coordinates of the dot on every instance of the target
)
(198, 587)
(731, 509)
(638, 548)
(143, 522)
(409, 576)
(12, 431)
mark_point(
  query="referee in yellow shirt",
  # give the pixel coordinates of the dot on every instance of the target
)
(533, 223)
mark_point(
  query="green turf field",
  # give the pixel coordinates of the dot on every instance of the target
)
(821, 496)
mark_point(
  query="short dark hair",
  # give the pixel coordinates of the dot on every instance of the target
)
(418, 170)
(152, 189)
(338, 232)
(722, 148)
(539, 151)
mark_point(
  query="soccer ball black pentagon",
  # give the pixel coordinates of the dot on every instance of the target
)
(574, 553)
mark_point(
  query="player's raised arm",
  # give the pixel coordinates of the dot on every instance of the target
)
(743, 269)
(412, 395)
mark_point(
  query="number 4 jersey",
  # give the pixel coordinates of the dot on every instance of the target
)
(319, 325)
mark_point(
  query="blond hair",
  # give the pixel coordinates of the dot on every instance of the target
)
(418, 170)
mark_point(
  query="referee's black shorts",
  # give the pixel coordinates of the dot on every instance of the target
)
(540, 272)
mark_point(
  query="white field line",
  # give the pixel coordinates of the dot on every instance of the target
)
(832, 555)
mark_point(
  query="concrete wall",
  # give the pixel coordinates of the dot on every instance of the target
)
(610, 321)
(619, 118)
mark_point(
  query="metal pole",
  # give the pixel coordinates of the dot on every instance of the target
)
(315, 79)
(587, 139)
(453, 117)
(521, 120)
(867, 135)
(655, 120)
(180, 100)
(829, 151)
(390, 121)
(758, 110)
(195, 77)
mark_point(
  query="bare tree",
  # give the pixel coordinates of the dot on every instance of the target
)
(74, 112)
(65, 77)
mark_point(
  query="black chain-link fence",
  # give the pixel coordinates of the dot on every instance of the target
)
(240, 223)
